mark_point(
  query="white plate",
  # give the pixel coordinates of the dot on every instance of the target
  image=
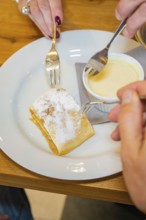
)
(22, 80)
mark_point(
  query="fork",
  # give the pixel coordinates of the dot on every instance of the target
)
(89, 105)
(101, 118)
(99, 60)
(52, 63)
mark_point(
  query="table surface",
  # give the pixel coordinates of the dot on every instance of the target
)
(18, 30)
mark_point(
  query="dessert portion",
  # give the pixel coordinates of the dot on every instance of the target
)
(116, 74)
(58, 117)
(120, 70)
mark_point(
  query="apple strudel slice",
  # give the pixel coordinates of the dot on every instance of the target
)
(57, 116)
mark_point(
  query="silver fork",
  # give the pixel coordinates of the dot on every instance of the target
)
(52, 63)
(99, 60)
(89, 105)
(101, 117)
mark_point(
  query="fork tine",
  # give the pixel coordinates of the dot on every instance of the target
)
(90, 70)
(57, 75)
(85, 108)
(53, 75)
(51, 78)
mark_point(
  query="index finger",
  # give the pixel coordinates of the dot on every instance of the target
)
(56, 9)
(125, 8)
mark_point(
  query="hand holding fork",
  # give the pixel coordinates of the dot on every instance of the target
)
(52, 63)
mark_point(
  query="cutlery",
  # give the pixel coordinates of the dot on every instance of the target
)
(99, 60)
(52, 63)
(89, 105)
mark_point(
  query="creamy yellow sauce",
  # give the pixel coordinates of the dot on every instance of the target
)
(116, 74)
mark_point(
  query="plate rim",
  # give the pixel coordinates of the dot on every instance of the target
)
(25, 48)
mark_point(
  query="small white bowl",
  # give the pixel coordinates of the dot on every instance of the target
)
(94, 96)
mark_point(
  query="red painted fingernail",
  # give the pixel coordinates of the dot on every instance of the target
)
(57, 34)
(58, 20)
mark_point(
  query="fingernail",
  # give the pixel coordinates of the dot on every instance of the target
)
(126, 33)
(126, 97)
(118, 16)
(58, 20)
(57, 34)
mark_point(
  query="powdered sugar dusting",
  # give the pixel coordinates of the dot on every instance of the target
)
(60, 113)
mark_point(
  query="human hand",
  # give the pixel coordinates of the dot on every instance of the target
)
(43, 13)
(130, 115)
(135, 10)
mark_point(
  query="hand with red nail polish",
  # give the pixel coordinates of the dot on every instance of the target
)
(131, 130)
(43, 13)
(135, 10)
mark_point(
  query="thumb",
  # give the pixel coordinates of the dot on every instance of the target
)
(130, 123)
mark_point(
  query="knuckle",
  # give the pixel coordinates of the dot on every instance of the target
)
(131, 26)
(43, 5)
(34, 11)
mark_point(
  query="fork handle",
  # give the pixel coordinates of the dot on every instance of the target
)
(118, 31)
(54, 34)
